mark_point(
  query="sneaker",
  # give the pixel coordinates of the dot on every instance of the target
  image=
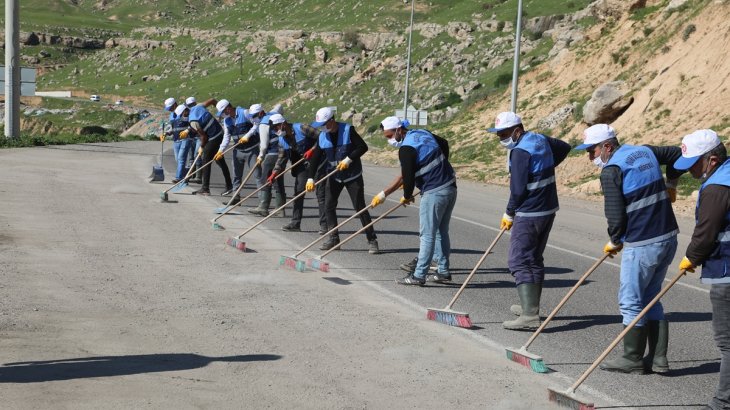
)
(331, 243)
(410, 267)
(438, 278)
(176, 180)
(410, 280)
(228, 192)
(373, 247)
(291, 227)
(202, 192)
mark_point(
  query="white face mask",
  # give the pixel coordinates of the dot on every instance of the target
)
(509, 143)
(280, 133)
(597, 161)
(393, 142)
(256, 120)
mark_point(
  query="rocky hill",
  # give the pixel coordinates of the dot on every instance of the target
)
(656, 69)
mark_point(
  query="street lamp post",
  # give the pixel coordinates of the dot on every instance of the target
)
(516, 68)
(408, 64)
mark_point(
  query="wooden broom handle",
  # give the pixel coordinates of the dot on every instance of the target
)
(565, 299)
(473, 271)
(340, 225)
(361, 230)
(625, 331)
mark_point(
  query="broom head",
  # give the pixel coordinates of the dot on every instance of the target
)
(179, 187)
(237, 243)
(293, 263)
(163, 196)
(568, 400)
(319, 265)
(527, 359)
(449, 317)
(216, 226)
(220, 210)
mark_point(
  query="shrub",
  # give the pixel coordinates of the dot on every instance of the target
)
(688, 32)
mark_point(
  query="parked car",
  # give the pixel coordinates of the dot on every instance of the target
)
(95, 98)
(119, 102)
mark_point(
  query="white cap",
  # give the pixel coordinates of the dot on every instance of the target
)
(222, 104)
(505, 120)
(596, 134)
(179, 109)
(392, 123)
(694, 146)
(255, 109)
(169, 103)
(276, 119)
(323, 115)
(190, 101)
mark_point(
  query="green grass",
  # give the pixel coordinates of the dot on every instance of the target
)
(26, 140)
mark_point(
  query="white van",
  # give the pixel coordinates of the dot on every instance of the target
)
(95, 98)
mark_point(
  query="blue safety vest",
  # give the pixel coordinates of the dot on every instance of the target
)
(178, 125)
(648, 209)
(542, 196)
(336, 153)
(303, 143)
(239, 126)
(172, 116)
(207, 122)
(715, 268)
(433, 170)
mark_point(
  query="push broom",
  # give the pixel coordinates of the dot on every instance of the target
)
(184, 183)
(300, 265)
(568, 399)
(324, 266)
(452, 317)
(236, 241)
(533, 361)
(180, 184)
(228, 208)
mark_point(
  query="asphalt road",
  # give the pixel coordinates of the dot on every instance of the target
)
(584, 327)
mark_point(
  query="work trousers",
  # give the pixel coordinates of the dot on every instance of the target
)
(356, 190)
(527, 244)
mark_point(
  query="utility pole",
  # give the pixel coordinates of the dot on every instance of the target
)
(12, 69)
(516, 68)
(408, 64)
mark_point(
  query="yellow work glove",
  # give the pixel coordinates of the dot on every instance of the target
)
(200, 151)
(310, 185)
(184, 134)
(162, 137)
(406, 201)
(259, 160)
(686, 265)
(378, 199)
(612, 249)
(218, 156)
(344, 164)
(506, 222)
(243, 140)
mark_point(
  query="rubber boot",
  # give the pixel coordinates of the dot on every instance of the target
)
(263, 208)
(530, 300)
(517, 309)
(279, 200)
(197, 176)
(632, 359)
(657, 341)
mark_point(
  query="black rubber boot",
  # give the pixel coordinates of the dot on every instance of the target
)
(530, 300)
(632, 359)
(279, 201)
(657, 340)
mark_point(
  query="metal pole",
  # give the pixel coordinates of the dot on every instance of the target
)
(408, 64)
(12, 69)
(516, 68)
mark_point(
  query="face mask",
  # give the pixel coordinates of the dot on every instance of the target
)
(256, 120)
(509, 143)
(597, 161)
(395, 143)
(280, 133)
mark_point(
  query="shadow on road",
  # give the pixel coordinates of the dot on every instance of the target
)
(106, 366)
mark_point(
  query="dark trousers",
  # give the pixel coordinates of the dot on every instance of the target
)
(527, 244)
(720, 298)
(300, 182)
(356, 190)
(209, 151)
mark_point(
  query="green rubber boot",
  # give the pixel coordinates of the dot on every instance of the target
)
(657, 340)
(530, 300)
(632, 359)
(280, 200)
(517, 309)
(263, 208)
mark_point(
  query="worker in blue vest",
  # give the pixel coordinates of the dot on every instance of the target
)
(530, 211)
(341, 147)
(638, 208)
(302, 138)
(267, 158)
(235, 125)
(182, 143)
(210, 132)
(704, 155)
(424, 164)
